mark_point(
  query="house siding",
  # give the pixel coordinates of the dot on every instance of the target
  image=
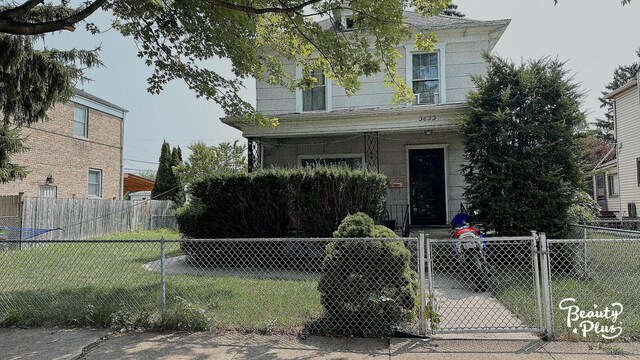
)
(628, 133)
(54, 150)
(460, 58)
(392, 155)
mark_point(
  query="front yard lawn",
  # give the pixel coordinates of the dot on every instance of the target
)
(107, 284)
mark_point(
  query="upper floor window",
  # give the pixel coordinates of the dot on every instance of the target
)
(95, 183)
(81, 121)
(614, 187)
(315, 99)
(638, 170)
(426, 85)
(349, 22)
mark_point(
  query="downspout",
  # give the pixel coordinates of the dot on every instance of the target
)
(121, 195)
(616, 147)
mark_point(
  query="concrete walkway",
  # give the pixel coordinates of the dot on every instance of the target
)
(53, 343)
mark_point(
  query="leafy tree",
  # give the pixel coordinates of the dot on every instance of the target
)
(621, 75)
(523, 156)
(204, 160)
(176, 38)
(148, 174)
(166, 186)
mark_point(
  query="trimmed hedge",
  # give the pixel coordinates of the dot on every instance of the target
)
(274, 203)
(280, 203)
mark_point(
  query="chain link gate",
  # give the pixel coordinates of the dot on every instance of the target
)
(505, 298)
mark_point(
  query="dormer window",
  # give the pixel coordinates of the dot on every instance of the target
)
(315, 99)
(349, 22)
(426, 84)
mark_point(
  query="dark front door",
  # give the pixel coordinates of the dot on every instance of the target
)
(601, 191)
(427, 189)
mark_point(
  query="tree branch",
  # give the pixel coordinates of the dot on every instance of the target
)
(257, 11)
(11, 26)
(20, 10)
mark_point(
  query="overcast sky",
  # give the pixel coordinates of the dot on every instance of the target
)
(592, 36)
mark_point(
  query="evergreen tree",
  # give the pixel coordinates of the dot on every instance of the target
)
(520, 140)
(176, 162)
(163, 188)
(31, 82)
(452, 10)
(621, 75)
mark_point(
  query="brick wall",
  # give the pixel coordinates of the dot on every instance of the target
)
(55, 150)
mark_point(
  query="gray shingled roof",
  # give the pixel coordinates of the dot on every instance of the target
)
(414, 19)
(88, 96)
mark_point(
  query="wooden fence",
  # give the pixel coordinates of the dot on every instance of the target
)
(87, 218)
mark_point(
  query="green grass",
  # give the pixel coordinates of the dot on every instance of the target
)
(106, 284)
(612, 277)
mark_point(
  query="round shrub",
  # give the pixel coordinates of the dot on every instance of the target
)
(358, 225)
(381, 231)
(367, 288)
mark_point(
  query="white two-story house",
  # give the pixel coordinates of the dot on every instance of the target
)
(626, 100)
(417, 146)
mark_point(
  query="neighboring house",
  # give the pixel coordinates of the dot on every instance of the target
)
(140, 195)
(606, 189)
(134, 183)
(417, 146)
(77, 153)
(627, 131)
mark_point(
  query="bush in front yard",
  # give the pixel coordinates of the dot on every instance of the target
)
(367, 287)
(273, 204)
(322, 197)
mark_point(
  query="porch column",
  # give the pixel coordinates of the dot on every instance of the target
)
(371, 160)
(254, 154)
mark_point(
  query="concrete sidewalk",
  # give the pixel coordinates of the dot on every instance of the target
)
(54, 343)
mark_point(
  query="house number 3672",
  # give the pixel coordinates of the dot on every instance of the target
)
(427, 118)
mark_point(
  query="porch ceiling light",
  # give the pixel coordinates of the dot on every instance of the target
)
(428, 132)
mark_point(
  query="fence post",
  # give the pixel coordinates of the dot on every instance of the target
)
(546, 285)
(535, 251)
(584, 250)
(163, 279)
(422, 331)
(429, 257)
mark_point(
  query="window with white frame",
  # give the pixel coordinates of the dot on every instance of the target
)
(95, 183)
(315, 99)
(350, 161)
(81, 121)
(614, 186)
(426, 83)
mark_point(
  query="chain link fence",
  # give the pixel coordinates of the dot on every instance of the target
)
(9, 230)
(595, 271)
(616, 223)
(362, 287)
(488, 285)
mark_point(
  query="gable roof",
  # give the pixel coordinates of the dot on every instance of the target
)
(417, 20)
(621, 89)
(84, 98)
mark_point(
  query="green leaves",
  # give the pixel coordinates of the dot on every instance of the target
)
(178, 38)
(524, 158)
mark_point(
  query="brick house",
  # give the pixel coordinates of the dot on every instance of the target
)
(77, 153)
